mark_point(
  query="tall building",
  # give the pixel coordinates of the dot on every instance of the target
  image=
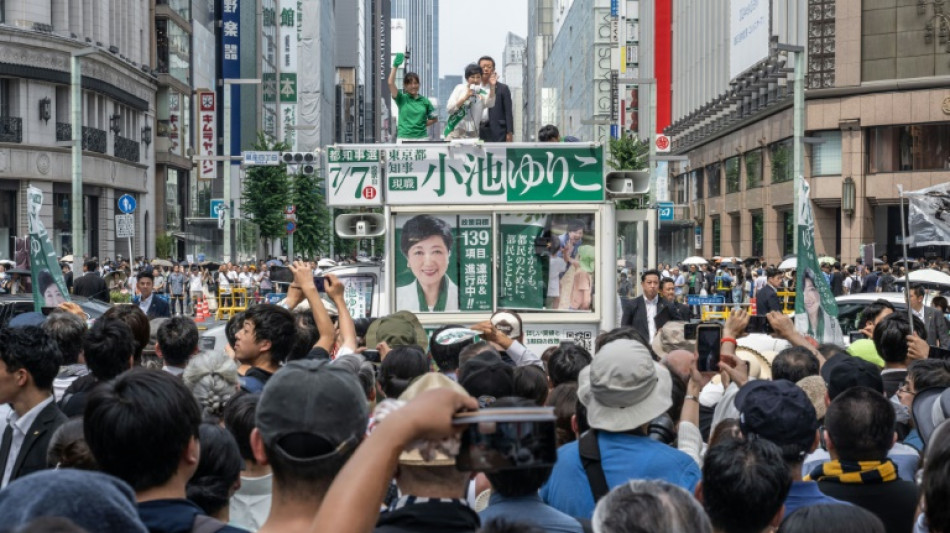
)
(119, 108)
(541, 14)
(512, 67)
(361, 73)
(316, 78)
(877, 115)
(422, 41)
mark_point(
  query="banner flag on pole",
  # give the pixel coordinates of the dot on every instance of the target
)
(816, 312)
(929, 217)
(49, 288)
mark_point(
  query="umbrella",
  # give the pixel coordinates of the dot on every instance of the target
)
(20, 271)
(162, 263)
(694, 260)
(789, 264)
(67, 259)
(928, 276)
(7, 263)
(210, 265)
(275, 262)
(904, 261)
(118, 276)
(827, 259)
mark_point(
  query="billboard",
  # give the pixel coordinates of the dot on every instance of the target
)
(748, 34)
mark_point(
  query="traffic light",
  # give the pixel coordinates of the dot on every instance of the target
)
(305, 161)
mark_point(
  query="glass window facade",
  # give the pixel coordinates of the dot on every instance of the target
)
(903, 148)
(732, 175)
(173, 50)
(753, 169)
(713, 180)
(826, 156)
(788, 233)
(62, 224)
(182, 7)
(758, 234)
(781, 154)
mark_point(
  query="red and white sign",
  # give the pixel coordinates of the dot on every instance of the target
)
(369, 192)
(663, 143)
(291, 209)
(207, 135)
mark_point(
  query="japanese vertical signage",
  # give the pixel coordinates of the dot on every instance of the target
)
(474, 244)
(522, 272)
(289, 34)
(174, 122)
(207, 135)
(438, 174)
(355, 176)
(49, 288)
(230, 62)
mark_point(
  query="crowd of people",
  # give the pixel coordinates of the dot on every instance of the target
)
(313, 422)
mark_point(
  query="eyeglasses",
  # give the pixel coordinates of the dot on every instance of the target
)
(905, 388)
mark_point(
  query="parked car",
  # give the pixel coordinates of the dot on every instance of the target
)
(850, 307)
(12, 305)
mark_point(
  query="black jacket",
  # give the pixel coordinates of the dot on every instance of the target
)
(894, 502)
(434, 516)
(32, 455)
(766, 300)
(635, 315)
(91, 285)
(500, 121)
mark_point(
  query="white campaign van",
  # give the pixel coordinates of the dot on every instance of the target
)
(471, 228)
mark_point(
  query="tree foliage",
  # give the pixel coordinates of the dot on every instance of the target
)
(266, 193)
(313, 223)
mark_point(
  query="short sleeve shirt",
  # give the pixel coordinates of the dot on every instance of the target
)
(413, 114)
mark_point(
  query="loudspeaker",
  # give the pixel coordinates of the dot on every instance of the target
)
(360, 225)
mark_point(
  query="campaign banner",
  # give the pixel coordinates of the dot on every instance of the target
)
(816, 311)
(355, 176)
(475, 256)
(49, 288)
(477, 174)
(427, 263)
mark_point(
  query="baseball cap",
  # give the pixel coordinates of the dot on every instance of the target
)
(401, 328)
(487, 378)
(841, 372)
(623, 388)
(778, 411)
(311, 410)
(507, 322)
(672, 337)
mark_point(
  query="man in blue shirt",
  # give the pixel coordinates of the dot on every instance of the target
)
(623, 389)
(780, 411)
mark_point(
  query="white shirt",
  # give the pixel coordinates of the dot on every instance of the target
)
(651, 315)
(144, 303)
(195, 283)
(919, 314)
(21, 425)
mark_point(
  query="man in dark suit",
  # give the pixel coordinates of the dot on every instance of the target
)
(934, 321)
(499, 126)
(642, 312)
(91, 284)
(29, 360)
(766, 300)
(673, 310)
(149, 303)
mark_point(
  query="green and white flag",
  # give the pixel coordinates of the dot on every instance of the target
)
(49, 288)
(816, 312)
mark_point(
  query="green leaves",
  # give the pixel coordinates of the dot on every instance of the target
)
(627, 153)
(266, 193)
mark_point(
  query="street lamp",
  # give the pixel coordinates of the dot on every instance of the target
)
(798, 121)
(227, 83)
(75, 107)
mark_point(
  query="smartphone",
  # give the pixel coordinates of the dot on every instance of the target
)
(708, 337)
(856, 336)
(759, 324)
(689, 330)
(506, 439)
(320, 282)
(371, 356)
(939, 353)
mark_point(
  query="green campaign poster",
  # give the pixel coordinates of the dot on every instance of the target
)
(49, 288)
(443, 263)
(522, 267)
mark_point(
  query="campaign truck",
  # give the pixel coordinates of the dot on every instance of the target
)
(471, 228)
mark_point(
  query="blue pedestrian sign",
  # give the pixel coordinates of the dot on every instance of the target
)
(126, 203)
(666, 210)
(291, 226)
(705, 300)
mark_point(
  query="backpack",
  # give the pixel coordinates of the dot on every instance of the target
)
(887, 283)
(251, 384)
(855, 284)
